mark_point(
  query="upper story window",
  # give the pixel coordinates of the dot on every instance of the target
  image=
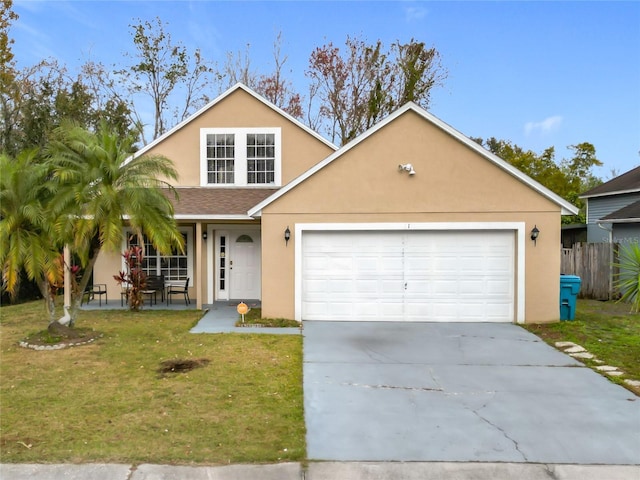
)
(240, 157)
(220, 157)
(261, 158)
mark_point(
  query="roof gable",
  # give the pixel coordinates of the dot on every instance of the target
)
(628, 182)
(566, 207)
(211, 104)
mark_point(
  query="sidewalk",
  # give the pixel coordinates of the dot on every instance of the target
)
(324, 471)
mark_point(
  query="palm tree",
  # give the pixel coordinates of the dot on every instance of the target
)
(26, 242)
(628, 277)
(100, 186)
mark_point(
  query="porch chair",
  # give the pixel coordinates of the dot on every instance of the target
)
(179, 289)
(98, 289)
(124, 294)
(155, 284)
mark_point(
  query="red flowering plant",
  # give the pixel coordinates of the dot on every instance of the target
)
(134, 280)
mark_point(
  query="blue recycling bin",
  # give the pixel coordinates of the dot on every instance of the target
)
(569, 289)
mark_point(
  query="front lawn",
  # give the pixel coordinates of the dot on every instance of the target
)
(109, 401)
(605, 329)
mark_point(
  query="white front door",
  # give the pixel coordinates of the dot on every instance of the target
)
(244, 266)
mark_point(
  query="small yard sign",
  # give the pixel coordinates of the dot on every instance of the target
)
(242, 309)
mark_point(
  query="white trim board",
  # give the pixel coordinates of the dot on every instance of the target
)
(517, 227)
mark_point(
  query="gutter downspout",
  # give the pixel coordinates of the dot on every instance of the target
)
(610, 232)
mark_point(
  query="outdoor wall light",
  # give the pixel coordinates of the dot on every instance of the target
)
(534, 234)
(204, 236)
(287, 236)
(407, 167)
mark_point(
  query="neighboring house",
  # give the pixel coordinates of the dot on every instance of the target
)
(272, 211)
(613, 209)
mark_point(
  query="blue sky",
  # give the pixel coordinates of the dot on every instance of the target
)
(539, 74)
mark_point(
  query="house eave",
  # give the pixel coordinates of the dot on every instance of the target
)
(565, 211)
(207, 217)
(611, 194)
(620, 220)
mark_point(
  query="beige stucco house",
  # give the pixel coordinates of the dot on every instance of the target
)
(411, 221)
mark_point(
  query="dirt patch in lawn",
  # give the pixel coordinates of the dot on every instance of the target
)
(179, 365)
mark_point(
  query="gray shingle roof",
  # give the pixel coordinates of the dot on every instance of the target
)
(627, 182)
(626, 214)
(217, 201)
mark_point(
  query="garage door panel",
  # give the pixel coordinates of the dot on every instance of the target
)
(442, 287)
(471, 287)
(392, 286)
(366, 286)
(411, 276)
(498, 287)
(318, 286)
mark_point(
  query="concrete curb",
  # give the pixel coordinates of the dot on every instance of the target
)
(467, 471)
(94, 471)
(278, 471)
(323, 471)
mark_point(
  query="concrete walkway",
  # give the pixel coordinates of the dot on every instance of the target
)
(323, 471)
(221, 317)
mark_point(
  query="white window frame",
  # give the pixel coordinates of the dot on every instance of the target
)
(189, 249)
(240, 163)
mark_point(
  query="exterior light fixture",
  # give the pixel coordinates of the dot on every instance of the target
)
(204, 236)
(287, 236)
(407, 167)
(534, 234)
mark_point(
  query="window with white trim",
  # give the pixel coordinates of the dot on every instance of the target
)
(220, 158)
(261, 158)
(240, 157)
(175, 266)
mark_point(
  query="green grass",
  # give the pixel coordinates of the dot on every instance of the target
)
(107, 401)
(605, 329)
(254, 317)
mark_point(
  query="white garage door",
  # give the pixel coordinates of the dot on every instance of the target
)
(427, 276)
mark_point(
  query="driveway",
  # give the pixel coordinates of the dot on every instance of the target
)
(378, 391)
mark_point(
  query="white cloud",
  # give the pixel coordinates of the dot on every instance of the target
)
(548, 125)
(413, 14)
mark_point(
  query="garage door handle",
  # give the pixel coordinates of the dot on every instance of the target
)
(405, 285)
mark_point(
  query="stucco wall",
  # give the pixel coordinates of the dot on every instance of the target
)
(452, 184)
(300, 150)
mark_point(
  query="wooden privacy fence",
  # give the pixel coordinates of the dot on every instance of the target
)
(592, 263)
